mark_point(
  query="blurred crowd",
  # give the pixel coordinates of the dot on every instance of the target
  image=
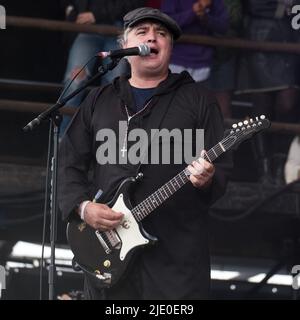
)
(269, 79)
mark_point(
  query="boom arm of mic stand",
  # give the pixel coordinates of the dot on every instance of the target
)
(47, 114)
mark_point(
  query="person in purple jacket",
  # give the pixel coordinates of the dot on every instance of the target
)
(202, 17)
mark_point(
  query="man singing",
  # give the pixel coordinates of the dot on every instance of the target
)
(178, 265)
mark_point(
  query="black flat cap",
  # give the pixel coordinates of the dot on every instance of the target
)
(140, 14)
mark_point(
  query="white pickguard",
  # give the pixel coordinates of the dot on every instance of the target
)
(128, 230)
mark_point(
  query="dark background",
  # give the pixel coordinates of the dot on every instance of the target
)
(32, 54)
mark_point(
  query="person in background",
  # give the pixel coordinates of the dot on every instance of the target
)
(270, 77)
(87, 45)
(223, 77)
(202, 17)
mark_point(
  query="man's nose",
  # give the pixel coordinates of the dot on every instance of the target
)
(151, 40)
(151, 37)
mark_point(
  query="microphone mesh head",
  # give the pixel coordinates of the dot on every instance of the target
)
(144, 50)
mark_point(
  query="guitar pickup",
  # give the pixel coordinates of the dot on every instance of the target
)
(103, 242)
(113, 239)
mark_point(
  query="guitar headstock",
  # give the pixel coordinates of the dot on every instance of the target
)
(244, 130)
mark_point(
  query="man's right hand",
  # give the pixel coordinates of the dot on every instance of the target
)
(100, 216)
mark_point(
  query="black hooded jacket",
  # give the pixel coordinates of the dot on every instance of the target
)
(178, 266)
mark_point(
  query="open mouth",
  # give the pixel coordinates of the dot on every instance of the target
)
(154, 51)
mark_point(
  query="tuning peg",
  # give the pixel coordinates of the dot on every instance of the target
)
(256, 118)
(251, 120)
(262, 117)
(240, 124)
(245, 122)
(234, 126)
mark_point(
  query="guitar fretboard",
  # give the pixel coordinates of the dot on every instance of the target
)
(143, 209)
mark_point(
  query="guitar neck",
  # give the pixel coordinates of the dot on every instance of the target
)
(143, 209)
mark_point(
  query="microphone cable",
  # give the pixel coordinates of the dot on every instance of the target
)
(72, 80)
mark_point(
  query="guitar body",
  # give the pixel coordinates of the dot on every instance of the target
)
(104, 256)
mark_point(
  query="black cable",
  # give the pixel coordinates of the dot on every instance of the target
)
(72, 80)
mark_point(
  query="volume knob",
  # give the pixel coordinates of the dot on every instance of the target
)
(107, 263)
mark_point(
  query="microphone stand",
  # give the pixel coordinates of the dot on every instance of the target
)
(53, 114)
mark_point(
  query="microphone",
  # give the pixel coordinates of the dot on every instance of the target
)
(141, 50)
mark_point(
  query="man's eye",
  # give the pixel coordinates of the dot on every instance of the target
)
(141, 32)
(162, 33)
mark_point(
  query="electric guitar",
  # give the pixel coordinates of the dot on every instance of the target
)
(105, 255)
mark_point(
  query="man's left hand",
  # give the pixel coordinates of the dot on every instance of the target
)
(202, 172)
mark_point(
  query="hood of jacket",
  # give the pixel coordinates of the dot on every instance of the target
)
(123, 90)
